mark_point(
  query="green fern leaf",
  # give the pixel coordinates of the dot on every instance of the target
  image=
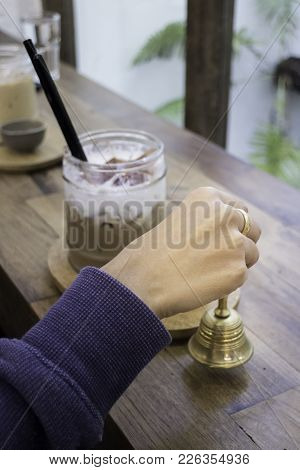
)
(241, 39)
(172, 111)
(163, 44)
(279, 13)
(276, 154)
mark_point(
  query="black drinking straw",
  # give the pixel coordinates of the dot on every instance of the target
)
(55, 101)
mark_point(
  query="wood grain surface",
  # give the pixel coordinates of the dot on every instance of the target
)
(175, 403)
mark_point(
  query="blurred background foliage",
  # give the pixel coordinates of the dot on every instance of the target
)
(272, 148)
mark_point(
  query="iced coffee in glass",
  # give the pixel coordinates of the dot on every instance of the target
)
(17, 91)
(114, 197)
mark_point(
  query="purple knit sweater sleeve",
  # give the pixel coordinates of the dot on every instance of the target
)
(59, 381)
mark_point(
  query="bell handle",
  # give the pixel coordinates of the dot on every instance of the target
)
(222, 310)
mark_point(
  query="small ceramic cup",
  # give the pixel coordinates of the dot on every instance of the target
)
(23, 135)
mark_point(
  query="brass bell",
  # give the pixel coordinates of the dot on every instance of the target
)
(220, 340)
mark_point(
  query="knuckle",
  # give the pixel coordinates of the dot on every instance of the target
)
(203, 194)
(194, 194)
(240, 275)
(258, 231)
(206, 192)
(223, 222)
(211, 191)
(242, 205)
(256, 256)
(226, 214)
(238, 241)
(237, 277)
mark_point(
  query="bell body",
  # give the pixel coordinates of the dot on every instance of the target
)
(220, 340)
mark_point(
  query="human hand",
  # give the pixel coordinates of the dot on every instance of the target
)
(196, 255)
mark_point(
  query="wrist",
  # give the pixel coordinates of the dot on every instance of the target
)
(129, 269)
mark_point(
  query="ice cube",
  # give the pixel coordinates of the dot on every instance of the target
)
(130, 179)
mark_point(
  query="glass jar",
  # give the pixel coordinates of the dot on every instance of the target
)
(45, 32)
(114, 197)
(17, 91)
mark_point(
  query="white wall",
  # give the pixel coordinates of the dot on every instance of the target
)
(16, 9)
(110, 33)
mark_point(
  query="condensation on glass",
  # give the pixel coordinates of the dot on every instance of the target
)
(45, 33)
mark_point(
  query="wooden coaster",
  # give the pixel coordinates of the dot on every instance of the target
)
(60, 268)
(47, 154)
(180, 326)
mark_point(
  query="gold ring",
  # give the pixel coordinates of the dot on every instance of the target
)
(247, 222)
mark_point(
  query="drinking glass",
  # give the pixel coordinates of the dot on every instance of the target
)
(45, 33)
(114, 197)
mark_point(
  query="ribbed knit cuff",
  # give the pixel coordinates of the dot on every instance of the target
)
(100, 334)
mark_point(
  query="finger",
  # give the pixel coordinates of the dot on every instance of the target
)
(230, 200)
(251, 252)
(238, 218)
(254, 232)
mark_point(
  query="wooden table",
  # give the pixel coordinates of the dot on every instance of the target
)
(175, 403)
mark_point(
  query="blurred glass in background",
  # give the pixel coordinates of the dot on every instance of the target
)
(45, 33)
